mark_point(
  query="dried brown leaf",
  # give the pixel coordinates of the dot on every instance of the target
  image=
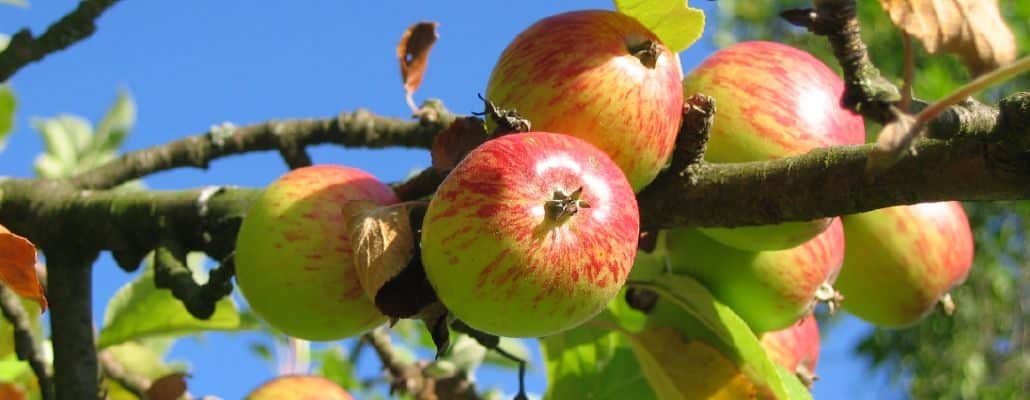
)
(382, 241)
(452, 144)
(18, 267)
(168, 387)
(413, 54)
(894, 140)
(972, 29)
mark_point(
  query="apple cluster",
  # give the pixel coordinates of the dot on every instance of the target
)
(534, 233)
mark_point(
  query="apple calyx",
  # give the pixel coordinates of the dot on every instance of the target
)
(827, 294)
(947, 304)
(563, 206)
(505, 121)
(647, 51)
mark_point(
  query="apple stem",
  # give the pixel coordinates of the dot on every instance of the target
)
(562, 206)
(647, 52)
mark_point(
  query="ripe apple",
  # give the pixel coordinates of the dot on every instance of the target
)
(796, 347)
(297, 387)
(600, 76)
(901, 260)
(773, 101)
(293, 253)
(771, 289)
(531, 234)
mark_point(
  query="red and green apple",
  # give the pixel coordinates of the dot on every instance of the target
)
(772, 101)
(531, 234)
(902, 260)
(600, 76)
(293, 253)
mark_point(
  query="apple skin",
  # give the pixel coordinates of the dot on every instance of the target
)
(573, 73)
(293, 253)
(795, 346)
(496, 258)
(299, 387)
(772, 101)
(770, 290)
(902, 260)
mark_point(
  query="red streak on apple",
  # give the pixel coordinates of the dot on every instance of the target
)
(497, 258)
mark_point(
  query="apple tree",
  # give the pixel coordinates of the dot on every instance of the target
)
(660, 233)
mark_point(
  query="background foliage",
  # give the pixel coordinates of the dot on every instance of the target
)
(982, 350)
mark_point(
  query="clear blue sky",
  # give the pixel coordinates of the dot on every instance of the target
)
(193, 64)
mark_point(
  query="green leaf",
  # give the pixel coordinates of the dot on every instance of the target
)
(795, 389)
(145, 357)
(139, 309)
(64, 136)
(688, 307)
(594, 361)
(115, 126)
(8, 103)
(333, 365)
(675, 23)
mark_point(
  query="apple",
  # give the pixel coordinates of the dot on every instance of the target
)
(290, 387)
(531, 234)
(771, 289)
(293, 253)
(773, 101)
(901, 260)
(796, 347)
(598, 75)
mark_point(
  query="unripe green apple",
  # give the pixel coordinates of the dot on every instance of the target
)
(299, 387)
(770, 290)
(901, 260)
(601, 76)
(772, 101)
(531, 234)
(293, 253)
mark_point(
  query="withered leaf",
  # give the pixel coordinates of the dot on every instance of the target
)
(382, 241)
(452, 144)
(168, 387)
(18, 267)
(972, 29)
(413, 54)
(894, 140)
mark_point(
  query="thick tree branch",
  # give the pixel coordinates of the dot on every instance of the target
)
(356, 129)
(70, 286)
(25, 345)
(73, 27)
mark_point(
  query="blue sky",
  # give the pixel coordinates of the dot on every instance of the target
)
(194, 64)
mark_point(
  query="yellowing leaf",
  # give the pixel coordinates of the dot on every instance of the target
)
(675, 23)
(678, 368)
(972, 29)
(18, 267)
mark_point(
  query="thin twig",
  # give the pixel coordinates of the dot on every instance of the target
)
(25, 344)
(24, 49)
(357, 129)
